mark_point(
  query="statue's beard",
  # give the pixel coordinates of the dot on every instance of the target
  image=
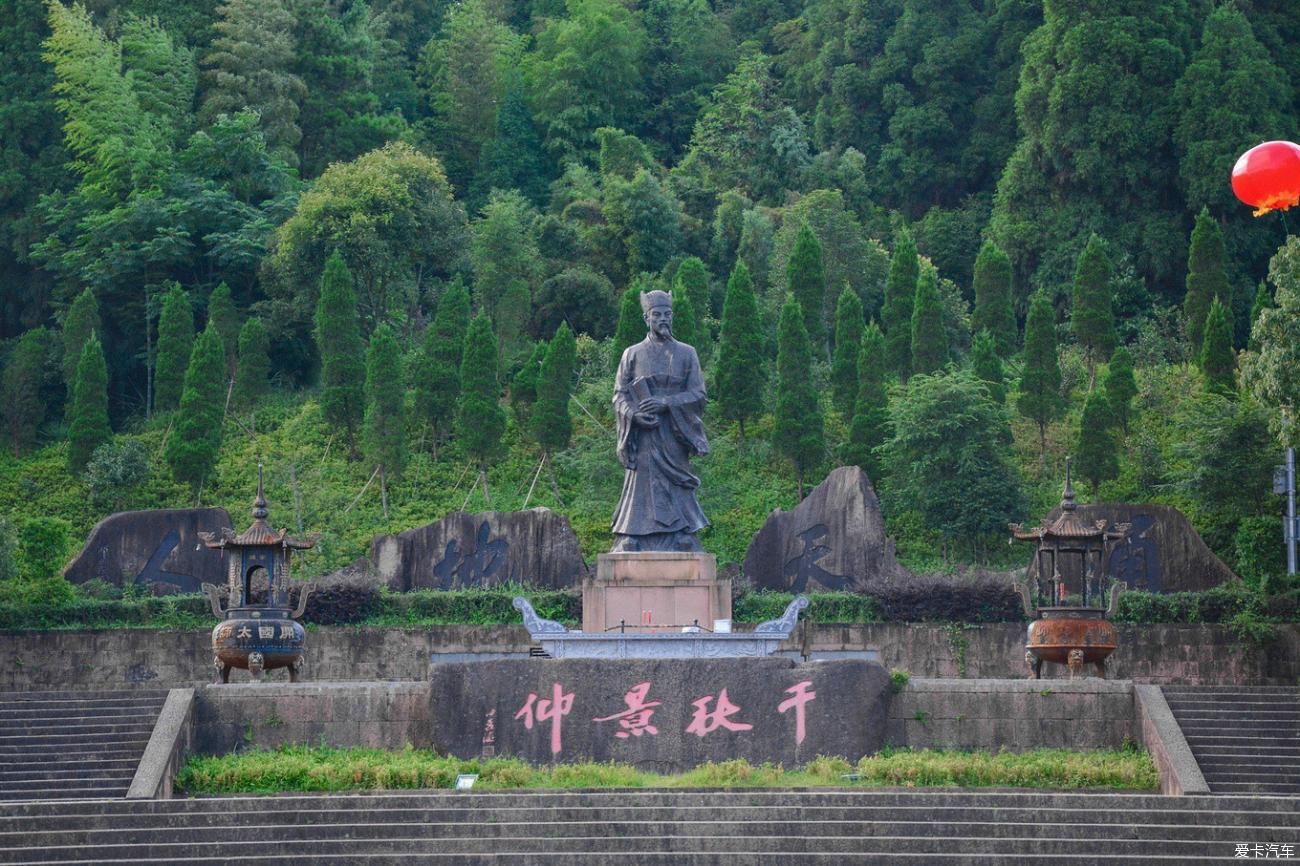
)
(664, 329)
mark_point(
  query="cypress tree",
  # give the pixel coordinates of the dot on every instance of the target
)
(986, 364)
(221, 310)
(993, 307)
(896, 315)
(806, 279)
(523, 387)
(20, 389)
(797, 431)
(342, 352)
(693, 279)
(175, 342)
(1040, 397)
(1207, 278)
(929, 339)
(481, 421)
(871, 410)
(685, 327)
(1091, 316)
(195, 442)
(81, 321)
(1098, 451)
(631, 323)
(848, 345)
(254, 364)
(385, 430)
(1120, 386)
(740, 376)
(88, 417)
(552, 426)
(1263, 301)
(1218, 362)
(438, 383)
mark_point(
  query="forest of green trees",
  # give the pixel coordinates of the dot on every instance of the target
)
(948, 242)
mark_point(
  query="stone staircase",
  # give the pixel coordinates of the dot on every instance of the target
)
(672, 828)
(1245, 738)
(60, 745)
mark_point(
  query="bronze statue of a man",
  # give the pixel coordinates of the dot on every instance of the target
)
(659, 403)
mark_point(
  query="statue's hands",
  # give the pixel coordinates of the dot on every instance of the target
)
(647, 419)
(652, 406)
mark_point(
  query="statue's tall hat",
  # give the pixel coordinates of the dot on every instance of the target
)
(656, 298)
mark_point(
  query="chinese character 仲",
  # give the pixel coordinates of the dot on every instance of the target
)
(705, 721)
(802, 695)
(553, 711)
(635, 720)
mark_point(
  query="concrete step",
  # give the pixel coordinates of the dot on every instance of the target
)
(1284, 745)
(98, 783)
(614, 848)
(551, 808)
(56, 695)
(81, 764)
(1291, 789)
(222, 822)
(595, 826)
(18, 714)
(57, 753)
(1230, 689)
(58, 745)
(1229, 715)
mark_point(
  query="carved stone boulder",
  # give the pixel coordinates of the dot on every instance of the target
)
(159, 548)
(665, 715)
(1160, 552)
(536, 547)
(833, 540)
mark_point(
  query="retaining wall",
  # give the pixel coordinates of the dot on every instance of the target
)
(1181, 654)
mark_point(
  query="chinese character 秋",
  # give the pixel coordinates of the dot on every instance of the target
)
(704, 721)
(552, 710)
(635, 720)
(802, 695)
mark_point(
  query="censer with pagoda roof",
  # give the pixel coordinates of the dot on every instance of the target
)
(257, 634)
(1069, 613)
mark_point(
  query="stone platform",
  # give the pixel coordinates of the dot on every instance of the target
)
(654, 592)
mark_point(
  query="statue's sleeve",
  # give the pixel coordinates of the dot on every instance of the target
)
(687, 407)
(624, 409)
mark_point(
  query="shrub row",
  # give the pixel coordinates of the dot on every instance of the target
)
(307, 768)
(929, 601)
(914, 602)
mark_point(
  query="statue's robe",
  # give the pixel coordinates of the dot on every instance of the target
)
(658, 485)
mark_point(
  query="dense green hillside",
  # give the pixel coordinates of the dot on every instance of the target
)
(259, 211)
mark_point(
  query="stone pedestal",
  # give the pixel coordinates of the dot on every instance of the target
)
(654, 592)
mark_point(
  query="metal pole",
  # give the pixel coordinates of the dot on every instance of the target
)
(1290, 512)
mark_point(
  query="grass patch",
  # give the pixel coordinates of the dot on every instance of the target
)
(304, 768)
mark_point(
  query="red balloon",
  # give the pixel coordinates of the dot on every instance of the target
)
(1267, 177)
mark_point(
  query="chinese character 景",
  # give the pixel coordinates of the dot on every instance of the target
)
(635, 720)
